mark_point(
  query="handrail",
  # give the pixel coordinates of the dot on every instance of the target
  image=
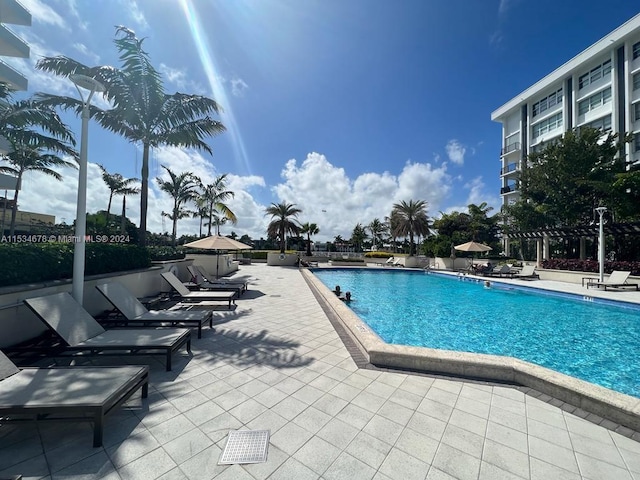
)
(512, 147)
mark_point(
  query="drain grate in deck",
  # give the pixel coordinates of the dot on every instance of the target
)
(245, 446)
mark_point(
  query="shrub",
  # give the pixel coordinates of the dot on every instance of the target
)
(40, 262)
(163, 254)
(576, 265)
(378, 255)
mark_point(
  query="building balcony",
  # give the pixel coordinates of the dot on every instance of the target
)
(510, 168)
(11, 45)
(11, 11)
(508, 189)
(513, 147)
(10, 75)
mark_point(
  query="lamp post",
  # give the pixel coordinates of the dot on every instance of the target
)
(601, 211)
(92, 85)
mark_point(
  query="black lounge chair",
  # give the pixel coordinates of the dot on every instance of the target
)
(135, 314)
(84, 335)
(67, 393)
(204, 281)
(189, 296)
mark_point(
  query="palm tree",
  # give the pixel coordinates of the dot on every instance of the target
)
(358, 236)
(411, 220)
(377, 228)
(142, 112)
(309, 229)
(124, 191)
(22, 159)
(17, 118)
(200, 211)
(281, 223)
(213, 197)
(182, 188)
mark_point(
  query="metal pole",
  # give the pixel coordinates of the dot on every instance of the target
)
(77, 287)
(601, 211)
(81, 212)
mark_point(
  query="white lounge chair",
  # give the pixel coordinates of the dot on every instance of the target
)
(82, 334)
(69, 394)
(136, 314)
(528, 272)
(617, 279)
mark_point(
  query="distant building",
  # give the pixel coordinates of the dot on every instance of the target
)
(599, 87)
(26, 222)
(12, 12)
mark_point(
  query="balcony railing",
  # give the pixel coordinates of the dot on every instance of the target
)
(512, 167)
(508, 189)
(512, 147)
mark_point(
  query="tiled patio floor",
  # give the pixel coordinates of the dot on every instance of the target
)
(277, 363)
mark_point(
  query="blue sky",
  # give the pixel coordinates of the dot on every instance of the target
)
(343, 107)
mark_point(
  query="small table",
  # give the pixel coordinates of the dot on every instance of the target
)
(589, 280)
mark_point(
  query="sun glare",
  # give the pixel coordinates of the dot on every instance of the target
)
(201, 41)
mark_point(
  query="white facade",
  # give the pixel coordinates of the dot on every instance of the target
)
(12, 12)
(599, 87)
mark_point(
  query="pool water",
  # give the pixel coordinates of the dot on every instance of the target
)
(596, 342)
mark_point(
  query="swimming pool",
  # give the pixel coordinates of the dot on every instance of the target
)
(589, 340)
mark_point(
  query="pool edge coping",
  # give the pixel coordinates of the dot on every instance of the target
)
(606, 403)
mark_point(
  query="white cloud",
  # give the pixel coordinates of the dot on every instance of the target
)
(83, 49)
(455, 151)
(40, 12)
(135, 13)
(238, 87)
(477, 195)
(329, 198)
(324, 192)
(174, 75)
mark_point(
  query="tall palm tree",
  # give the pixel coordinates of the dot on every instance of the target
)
(125, 190)
(142, 112)
(214, 196)
(377, 228)
(200, 212)
(22, 159)
(309, 229)
(182, 188)
(411, 220)
(281, 222)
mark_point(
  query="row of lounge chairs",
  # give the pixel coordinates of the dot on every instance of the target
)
(90, 393)
(528, 272)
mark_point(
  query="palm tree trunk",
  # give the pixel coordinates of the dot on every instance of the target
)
(124, 210)
(109, 207)
(14, 210)
(144, 195)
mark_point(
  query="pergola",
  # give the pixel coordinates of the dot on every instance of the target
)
(543, 236)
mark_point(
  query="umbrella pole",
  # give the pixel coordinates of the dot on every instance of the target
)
(217, 265)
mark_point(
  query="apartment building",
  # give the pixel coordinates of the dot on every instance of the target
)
(600, 87)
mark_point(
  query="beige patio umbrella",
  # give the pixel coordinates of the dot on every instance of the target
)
(473, 247)
(217, 242)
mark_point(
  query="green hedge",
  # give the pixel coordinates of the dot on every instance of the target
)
(163, 254)
(379, 255)
(40, 262)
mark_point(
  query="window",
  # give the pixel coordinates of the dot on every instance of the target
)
(547, 102)
(636, 108)
(547, 125)
(596, 73)
(594, 101)
(636, 50)
(636, 142)
(603, 123)
(636, 81)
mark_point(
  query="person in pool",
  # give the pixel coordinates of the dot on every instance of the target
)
(347, 297)
(337, 290)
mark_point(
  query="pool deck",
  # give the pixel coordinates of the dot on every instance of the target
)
(277, 362)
